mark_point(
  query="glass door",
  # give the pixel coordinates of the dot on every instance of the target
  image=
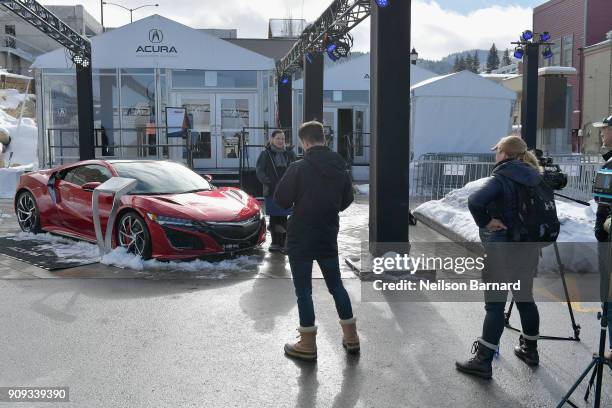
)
(330, 121)
(361, 137)
(200, 128)
(233, 113)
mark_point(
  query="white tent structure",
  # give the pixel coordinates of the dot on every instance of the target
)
(459, 113)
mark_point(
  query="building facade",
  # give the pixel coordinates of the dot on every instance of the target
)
(573, 25)
(21, 43)
(142, 72)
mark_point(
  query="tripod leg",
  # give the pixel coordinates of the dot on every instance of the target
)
(575, 327)
(576, 384)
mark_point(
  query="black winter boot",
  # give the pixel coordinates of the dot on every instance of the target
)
(480, 364)
(275, 244)
(527, 350)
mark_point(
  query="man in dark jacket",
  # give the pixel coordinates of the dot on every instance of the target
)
(602, 224)
(318, 187)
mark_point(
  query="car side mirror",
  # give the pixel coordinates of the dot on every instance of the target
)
(90, 186)
(208, 177)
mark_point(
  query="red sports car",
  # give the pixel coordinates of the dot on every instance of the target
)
(172, 214)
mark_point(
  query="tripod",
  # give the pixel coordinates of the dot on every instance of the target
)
(596, 365)
(575, 327)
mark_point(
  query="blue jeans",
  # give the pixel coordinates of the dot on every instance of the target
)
(301, 270)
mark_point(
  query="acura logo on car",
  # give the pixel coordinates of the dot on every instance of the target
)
(156, 36)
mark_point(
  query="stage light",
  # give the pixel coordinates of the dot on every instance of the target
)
(382, 3)
(284, 80)
(332, 56)
(331, 47)
(519, 53)
(545, 36)
(547, 54)
(527, 35)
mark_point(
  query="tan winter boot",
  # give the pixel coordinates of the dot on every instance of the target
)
(350, 339)
(306, 348)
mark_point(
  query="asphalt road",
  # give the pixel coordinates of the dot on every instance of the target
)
(121, 339)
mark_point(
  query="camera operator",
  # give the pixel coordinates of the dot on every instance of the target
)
(604, 214)
(495, 209)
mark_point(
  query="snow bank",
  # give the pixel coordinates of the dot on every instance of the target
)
(363, 189)
(576, 220)
(9, 177)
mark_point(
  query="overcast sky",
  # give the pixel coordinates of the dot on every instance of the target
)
(439, 27)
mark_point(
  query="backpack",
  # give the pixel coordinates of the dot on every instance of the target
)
(536, 219)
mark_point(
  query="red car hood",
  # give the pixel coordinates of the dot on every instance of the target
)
(216, 205)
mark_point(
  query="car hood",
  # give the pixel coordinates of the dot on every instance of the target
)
(215, 205)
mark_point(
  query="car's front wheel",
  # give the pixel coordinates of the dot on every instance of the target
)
(133, 234)
(27, 213)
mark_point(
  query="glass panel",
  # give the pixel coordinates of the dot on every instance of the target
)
(195, 78)
(237, 79)
(198, 114)
(358, 133)
(138, 114)
(356, 96)
(190, 78)
(61, 117)
(556, 49)
(234, 113)
(106, 111)
(230, 144)
(568, 50)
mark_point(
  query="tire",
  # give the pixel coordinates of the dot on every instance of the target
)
(27, 213)
(133, 234)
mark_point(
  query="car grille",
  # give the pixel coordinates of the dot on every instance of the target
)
(183, 240)
(235, 231)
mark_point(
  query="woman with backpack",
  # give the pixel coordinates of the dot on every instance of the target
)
(497, 210)
(271, 166)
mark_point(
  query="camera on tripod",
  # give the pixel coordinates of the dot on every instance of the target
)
(602, 187)
(552, 174)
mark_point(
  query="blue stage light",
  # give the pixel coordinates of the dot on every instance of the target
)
(332, 56)
(519, 53)
(545, 36)
(547, 54)
(284, 80)
(527, 35)
(382, 3)
(331, 48)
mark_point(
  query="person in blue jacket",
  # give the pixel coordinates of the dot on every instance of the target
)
(494, 208)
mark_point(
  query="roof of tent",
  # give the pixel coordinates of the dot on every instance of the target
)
(158, 42)
(354, 75)
(463, 84)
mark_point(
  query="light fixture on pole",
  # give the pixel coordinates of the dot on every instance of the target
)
(414, 56)
(131, 10)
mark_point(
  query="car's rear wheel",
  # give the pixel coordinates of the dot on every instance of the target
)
(133, 234)
(27, 213)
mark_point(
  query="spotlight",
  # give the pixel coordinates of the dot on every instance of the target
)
(284, 80)
(527, 35)
(332, 56)
(331, 47)
(382, 3)
(519, 53)
(547, 54)
(545, 36)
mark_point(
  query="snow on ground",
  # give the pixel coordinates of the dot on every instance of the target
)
(576, 240)
(363, 189)
(79, 251)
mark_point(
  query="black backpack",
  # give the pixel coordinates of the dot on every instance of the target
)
(537, 219)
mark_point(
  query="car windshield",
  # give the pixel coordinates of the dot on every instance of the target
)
(162, 177)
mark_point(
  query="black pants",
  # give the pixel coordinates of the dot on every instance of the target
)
(278, 224)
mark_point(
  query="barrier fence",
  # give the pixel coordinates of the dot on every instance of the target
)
(432, 176)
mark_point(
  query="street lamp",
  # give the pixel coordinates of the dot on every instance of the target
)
(131, 10)
(414, 56)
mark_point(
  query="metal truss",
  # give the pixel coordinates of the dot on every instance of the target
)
(336, 21)
(45, 21)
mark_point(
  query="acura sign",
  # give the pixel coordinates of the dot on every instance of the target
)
(156, 37)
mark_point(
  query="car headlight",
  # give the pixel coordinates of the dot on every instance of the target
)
(163, 220)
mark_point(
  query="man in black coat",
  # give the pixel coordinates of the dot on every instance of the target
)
(318, 187)
(602, 226)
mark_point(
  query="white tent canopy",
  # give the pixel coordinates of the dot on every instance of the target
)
(158, 42)
(354, 75)
(459, 113)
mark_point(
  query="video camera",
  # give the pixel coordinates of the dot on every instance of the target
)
(553, 176)
(602, 187)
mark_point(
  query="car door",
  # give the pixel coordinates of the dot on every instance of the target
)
(75, 202)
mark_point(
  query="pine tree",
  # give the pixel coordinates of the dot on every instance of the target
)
(462, 66)
(506, 59)
(469, 63)
(456, 64)
(492, 59)
(476, 63)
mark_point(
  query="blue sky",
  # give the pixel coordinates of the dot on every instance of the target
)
(465, 6)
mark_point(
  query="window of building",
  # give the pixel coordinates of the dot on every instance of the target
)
(556, 49)
(138, 114)
(568, 51)
(195, 78)
(9, 40)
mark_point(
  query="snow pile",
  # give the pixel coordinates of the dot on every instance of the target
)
(363, 189)
(66, 249)
(23, 148)
(576, 220)
(123, 259)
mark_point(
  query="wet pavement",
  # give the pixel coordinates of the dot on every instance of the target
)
(176, 339)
